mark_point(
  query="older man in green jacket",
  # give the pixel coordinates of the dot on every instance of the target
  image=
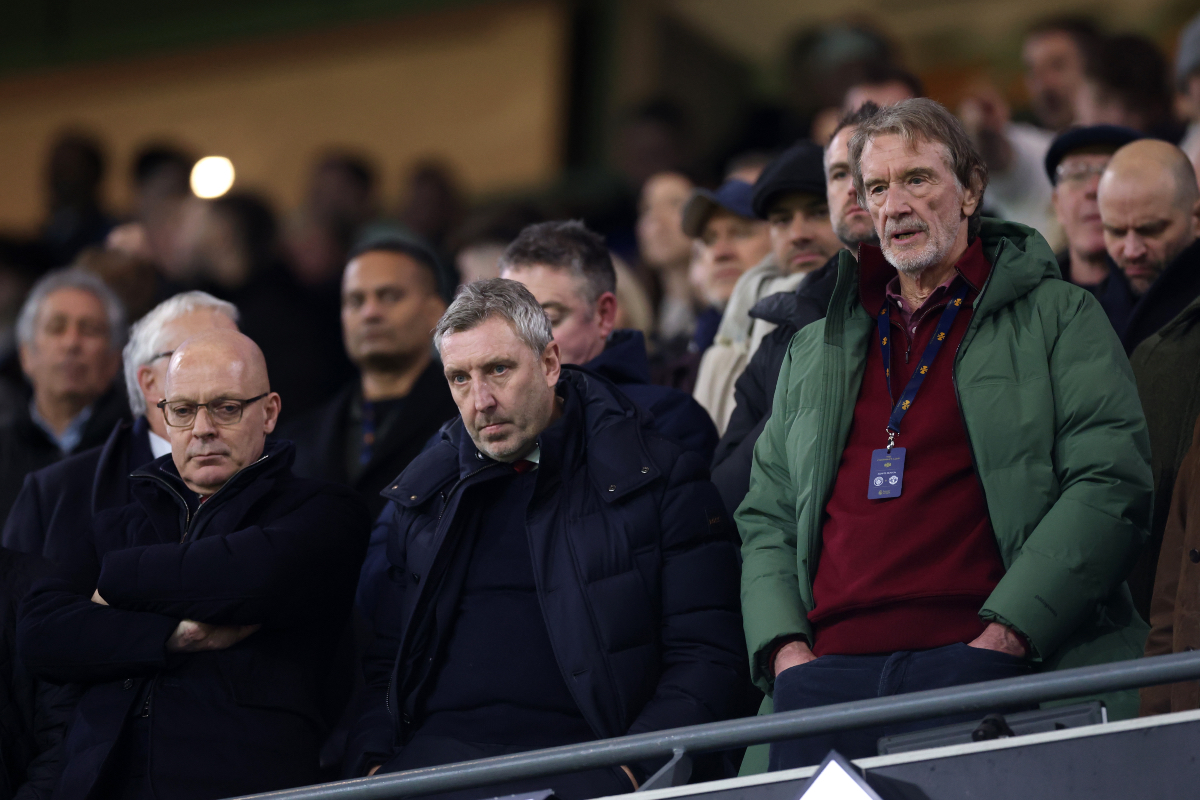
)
(955, 478)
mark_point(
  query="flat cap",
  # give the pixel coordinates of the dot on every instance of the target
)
(1072, 139)
(800, 168)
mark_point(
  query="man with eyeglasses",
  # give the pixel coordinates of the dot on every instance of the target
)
(57, 503)
(1074, 164)
(203, 619)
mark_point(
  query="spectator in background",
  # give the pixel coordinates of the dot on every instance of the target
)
(731, 240)
(747, 166)
(343, 190)
(1126, 82)
(76, 217)
(553, 483)
(790, 195)
(370, 431)
(1187, 84)
(884, 85)
(967, 570)
(70, 332)
(132, 278)
(479, 241)
(754, 390)
(201, 662)
(432, 203)
(57, 504)
(1150, 209)
(667, 251)
(1055, 56)
(1075, 161)
(569, 271)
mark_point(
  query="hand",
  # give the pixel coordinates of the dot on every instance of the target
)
(373, 770)
(793, 654)
(196, 637)
(1001, 639)
(632, 779)
(96, 598)
(985, 115)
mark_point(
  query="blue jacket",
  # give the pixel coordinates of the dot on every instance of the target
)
(636, 569)
(269, 549)
(673, 413)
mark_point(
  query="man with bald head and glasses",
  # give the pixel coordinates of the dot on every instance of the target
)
(202, 619)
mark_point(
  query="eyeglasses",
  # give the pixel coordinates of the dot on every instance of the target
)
(223, 411)
(1078, 173)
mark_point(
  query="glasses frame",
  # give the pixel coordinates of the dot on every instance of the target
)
(162, 404)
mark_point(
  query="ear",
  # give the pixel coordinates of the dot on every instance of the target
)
(552, 363)
(971, 197)
(272, 405)
(148, 383)
(606, 313)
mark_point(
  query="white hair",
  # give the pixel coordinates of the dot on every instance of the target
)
(145, 336)
(72, 278)
(497, 297)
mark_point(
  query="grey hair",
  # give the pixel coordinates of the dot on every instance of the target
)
(497, 297)
(72, 278)
(145, 336)
(924, 120)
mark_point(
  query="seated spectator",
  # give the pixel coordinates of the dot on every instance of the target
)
(1075, 161)
(882, 84)
(76, 217)
(1174, 611)
(555, 487)
(754, 391)
(790, 195)
(1150, 208)
(1126, 82)
(70, 333)
(955, 567)
(57, 503)
(379, 422)
(1187, 84)
(570, 273)
(731, 240)
(203, 615)
(667, 252)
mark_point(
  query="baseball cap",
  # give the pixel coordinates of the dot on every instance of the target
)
(733, 195)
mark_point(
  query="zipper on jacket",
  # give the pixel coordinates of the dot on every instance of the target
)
(188, 517)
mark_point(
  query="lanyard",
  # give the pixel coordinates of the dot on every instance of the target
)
(918, 377)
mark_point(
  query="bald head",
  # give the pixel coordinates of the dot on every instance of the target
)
(1150, 208)
(220, 407)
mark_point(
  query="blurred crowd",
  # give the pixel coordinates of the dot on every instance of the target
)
(674, 296)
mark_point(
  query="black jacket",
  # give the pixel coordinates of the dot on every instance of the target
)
(25, 447)
(1138, 318)
(57, 503)
(673, 413)
(269, 549)
(755, 388)
(321, 436)
(635, 564)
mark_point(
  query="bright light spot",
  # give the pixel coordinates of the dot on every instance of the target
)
(212, 176)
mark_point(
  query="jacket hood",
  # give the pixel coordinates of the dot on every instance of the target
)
(624, 358)
(783, 308)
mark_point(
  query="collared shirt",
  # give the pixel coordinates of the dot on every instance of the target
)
(71, 436)
(158, 445)
(912, 317)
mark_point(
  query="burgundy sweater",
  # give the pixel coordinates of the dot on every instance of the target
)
(912, 572)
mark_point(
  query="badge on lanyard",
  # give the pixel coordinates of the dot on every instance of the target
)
(887, 465)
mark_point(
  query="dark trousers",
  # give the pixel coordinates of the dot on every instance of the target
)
(842, 679)
(430, 751)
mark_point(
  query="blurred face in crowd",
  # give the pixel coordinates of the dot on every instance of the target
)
(802, 237)
(881, 94)
(390, 305)
(919, 208)
(504, 390)
(152, 377)
(1149, 208)
(851, 223)
(221, 368)
(660, 221)
(732, 244)
(580, 326)
(1075, 202)
(71, 357)
(1053, 75)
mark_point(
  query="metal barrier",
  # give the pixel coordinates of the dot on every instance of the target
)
(679, 742)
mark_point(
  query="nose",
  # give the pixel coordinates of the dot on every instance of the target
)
(483, 398)
(1092, 187)
(203, 427)
(722, 249)
(895, 204)
(800, 231)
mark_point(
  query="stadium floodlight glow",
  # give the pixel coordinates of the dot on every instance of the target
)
(212, 176)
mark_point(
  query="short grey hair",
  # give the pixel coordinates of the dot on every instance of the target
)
(145, 337)
(72, 278)
(497, 297)
(924, 120)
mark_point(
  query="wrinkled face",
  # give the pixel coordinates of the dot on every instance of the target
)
(1144, 229)
(732, 244)
(1075, 202)
(660, 221)
(1053, 74)
(504, 391)
(580, 331)
(208, 454)
(802, 237)
(390, 305)
(152, 376)
(851, 222)
(919, 208)
(71, 354)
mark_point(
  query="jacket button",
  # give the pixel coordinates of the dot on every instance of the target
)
(479, 456)
(128, 683)
(414, 497)
(396, 486)
(612, 488)
(1194, 555)
(645, 470)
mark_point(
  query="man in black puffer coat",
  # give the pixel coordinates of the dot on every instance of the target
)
(557, 572)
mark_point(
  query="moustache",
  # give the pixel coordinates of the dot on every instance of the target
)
(904, 225)
(201, 452)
